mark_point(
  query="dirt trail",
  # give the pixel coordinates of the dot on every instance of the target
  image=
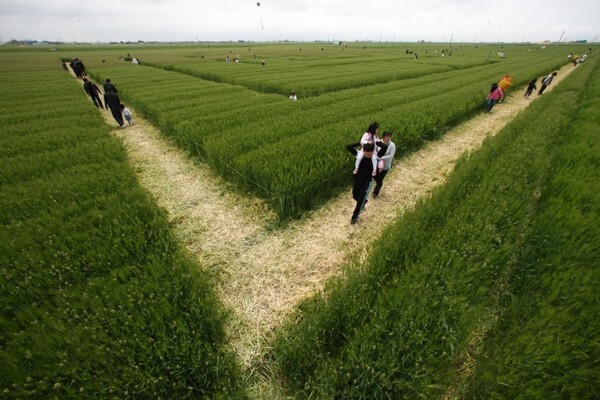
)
(265, 272)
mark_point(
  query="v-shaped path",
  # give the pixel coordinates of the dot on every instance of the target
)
(265, 271)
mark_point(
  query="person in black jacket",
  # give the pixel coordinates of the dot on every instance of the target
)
(108, 85)
(363, 177)
(92, 90)
(112, 101)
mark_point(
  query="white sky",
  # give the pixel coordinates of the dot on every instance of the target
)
(301, 20)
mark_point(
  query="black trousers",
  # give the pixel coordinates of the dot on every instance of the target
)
(542, 89)
(359, 193)
(117, 115)
(379, 181)
(97, 101)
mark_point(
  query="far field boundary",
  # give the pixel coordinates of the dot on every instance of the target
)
(264, 272)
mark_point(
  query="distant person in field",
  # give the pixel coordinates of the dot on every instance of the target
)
(79, 63)
(127, 114)
(76, 67)
(293, 95)
(546, 82)
(362, 178)
(386, 153)
(108, 85)
(530, 88)
(370, 136)
(505, 83)
(93, 91)
(494, 97)
(112, 102)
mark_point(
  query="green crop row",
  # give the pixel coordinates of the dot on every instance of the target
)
(287, 151)
(321, 72)
(547, 343)
(308, 81)
(515, 226)
(98, 300)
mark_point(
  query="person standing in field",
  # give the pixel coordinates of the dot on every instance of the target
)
(108, 85)
(546, 82)
(362, 178)
(385, 155)
(93, 91)
(495, 96)
(530, 88)
(112, 101)
(127, 114)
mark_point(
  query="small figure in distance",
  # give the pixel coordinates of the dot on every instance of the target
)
(530, 88)
(495, 96)
(93, 91)
(293, 95)
(127, 114)
(546, 82)
(109, 86)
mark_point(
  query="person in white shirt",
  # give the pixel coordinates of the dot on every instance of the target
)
(370, 136)
(293, 95)
(386, 157)
(127, 114)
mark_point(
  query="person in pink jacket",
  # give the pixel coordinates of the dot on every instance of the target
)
(495, 96)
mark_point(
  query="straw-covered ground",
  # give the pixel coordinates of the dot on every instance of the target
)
(264, 271)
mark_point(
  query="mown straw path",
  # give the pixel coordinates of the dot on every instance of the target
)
(265, 272)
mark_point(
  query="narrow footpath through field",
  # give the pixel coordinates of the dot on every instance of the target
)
(264, 271)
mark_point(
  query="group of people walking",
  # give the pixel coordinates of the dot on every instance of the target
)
(77, 66)
(373, 161)
(498, 90)
(112, 101)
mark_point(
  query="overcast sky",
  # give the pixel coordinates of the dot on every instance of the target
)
(301, 20)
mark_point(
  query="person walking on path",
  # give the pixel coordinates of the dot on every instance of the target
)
(108, 85)
(385, 154)
(495, 96)
(112, 101)
(93, 91)
(546, 82)
(362, 179)
(127, 114)
(530, 88)
(505, 83)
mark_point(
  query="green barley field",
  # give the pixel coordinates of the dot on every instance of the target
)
(486, 290)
